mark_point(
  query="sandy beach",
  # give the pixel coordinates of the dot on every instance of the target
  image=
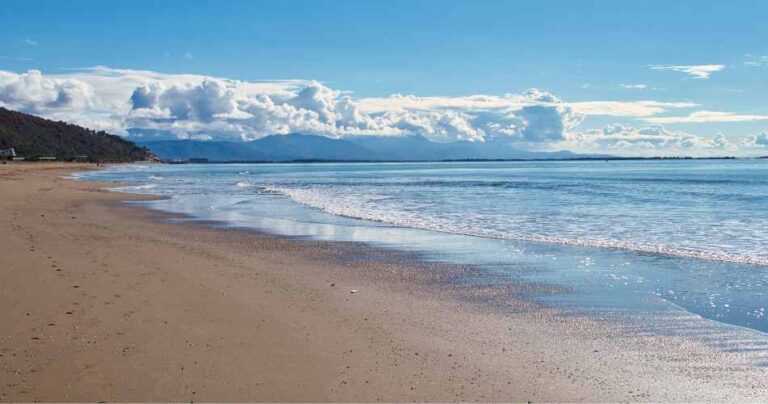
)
(104, 301)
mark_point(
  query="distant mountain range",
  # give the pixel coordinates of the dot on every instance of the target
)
(296, 147)
(32, 137)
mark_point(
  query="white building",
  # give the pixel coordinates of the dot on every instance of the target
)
(7, 153)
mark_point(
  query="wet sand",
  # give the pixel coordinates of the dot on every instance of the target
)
(102, 301)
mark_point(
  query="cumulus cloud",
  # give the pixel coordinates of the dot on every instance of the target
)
(33, 92)
(541, 123)
(656, 140)
(652, 140)
(228, 109)
(150, 104)
(721, 142)
(701, 72)
(756, 141)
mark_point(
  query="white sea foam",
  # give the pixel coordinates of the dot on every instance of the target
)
(134, 188)
(359, 207)
(130, 167)
(660, 213)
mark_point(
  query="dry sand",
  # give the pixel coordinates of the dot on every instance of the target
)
(106, 302)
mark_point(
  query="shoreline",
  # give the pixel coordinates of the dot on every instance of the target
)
(148, 310)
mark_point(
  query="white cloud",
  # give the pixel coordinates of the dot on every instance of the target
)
(146, 103)
(707, 116)
(633, 109)
(756, 141)
(30, 41)
(313, 107)
(188, 56)
(756, 60)
(696, 71)
(648, 141)
(634, 86)
(656, 140)
(33, 92)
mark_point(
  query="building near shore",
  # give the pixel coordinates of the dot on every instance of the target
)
(7, 154)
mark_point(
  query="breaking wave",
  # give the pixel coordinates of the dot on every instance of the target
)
(358, 207)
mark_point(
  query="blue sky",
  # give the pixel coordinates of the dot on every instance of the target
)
(579, 51)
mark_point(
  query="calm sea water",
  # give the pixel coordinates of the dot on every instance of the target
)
(623, 238)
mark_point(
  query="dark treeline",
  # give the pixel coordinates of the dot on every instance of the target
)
(33, 137)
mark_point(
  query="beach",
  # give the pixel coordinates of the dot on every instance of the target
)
(105, 301)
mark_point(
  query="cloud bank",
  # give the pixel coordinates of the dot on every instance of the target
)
(708, 116)
(146, 104)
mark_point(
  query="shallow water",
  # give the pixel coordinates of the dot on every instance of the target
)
(679, 245)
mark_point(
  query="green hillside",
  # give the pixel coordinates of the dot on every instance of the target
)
(33, 136)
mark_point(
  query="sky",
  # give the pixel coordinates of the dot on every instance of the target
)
(629, 77)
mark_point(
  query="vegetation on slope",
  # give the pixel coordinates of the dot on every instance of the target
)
(33, 137)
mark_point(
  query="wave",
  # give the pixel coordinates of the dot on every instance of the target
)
(548, 182)
(133, 188)
(130, 167)
(258, 189)
(356, 208)
(452, 183)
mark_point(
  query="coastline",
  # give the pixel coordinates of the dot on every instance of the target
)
(112, 302)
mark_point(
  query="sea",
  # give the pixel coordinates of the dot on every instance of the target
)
(679, 246)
